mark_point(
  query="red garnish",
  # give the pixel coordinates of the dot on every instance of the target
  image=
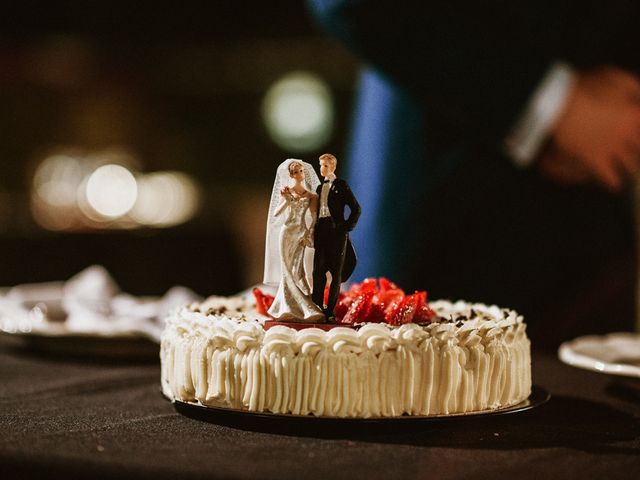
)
(263, 301)
(423, 314)
(373, 300)
(386, 284)
(359, 309)
(382, 300)
(407, 309)
(343, 305)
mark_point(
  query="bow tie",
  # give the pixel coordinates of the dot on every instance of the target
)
(326, 180)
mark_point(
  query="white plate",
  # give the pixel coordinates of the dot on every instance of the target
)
(44, 336)
(614, 354)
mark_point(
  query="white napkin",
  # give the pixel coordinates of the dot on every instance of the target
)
(15, 317)
(92, 303)
(45, 296)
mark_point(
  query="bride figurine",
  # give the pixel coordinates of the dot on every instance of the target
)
(289, 243)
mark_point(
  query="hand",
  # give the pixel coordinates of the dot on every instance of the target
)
(307, 239)
(285, 192)
(597, 137)
(344, 228)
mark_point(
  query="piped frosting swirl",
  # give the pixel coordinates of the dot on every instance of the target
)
(476, 357)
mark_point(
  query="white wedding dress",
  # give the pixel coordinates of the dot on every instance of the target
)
(293, 302)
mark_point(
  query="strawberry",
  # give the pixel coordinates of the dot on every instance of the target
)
(376, 313)
(386, 284)
(423, 314)
(368, 285)
(343, 306)
(359, 309)
(407, 309)
(391, 307)
(389, 297)
(263, 301)
(372, 300)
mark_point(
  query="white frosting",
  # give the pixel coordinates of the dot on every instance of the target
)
(375, 371)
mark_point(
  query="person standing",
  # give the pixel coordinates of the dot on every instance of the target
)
(334, 252)
(501, 141)
(289, 242)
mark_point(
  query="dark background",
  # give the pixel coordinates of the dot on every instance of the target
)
(179, 87)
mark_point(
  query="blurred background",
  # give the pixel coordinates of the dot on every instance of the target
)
(145, 138)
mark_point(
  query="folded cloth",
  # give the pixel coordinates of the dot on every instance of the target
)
(16, 317)
(46, 296)
(90, 302)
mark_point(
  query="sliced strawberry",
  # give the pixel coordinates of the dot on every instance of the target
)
(390, 312)
(424, 314)
(268, 301)
(368, 285)
(388, 297)
(359, 309)
(342, 307)
(372, 300)
(263, 301)
(386, 284)
(376, 313)
(390, 300)
(407, 309)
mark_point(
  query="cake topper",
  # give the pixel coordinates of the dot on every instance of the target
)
(289, 253)
(334, 253)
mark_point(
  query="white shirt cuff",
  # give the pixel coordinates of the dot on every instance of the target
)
(532, 127)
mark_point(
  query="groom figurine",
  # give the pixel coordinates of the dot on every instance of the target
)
(333, 250)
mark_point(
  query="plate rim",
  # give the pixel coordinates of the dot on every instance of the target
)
(62, 332)
(568, 355)
(537, 397)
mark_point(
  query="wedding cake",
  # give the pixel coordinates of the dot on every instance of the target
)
(427, 359)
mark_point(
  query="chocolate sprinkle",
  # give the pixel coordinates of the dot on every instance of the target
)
(217, 311)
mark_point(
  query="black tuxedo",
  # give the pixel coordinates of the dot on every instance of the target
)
(334, 252)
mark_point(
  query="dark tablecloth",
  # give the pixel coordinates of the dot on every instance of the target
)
(61, 416)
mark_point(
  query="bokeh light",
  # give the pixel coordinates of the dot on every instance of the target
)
(165, 199)
(111, 190)
(76, 190)
(57, 178)
(298, 112)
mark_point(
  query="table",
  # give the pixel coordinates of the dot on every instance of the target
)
(106, 419)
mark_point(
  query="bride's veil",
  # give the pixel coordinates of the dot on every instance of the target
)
(272, 270)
